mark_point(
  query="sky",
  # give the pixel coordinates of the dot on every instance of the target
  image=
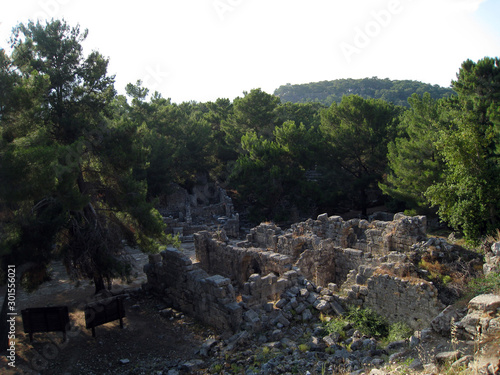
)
(202, 50)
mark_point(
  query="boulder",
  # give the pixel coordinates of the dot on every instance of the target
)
(447, 357)
(441, 324)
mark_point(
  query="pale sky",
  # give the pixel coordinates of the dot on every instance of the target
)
(207, 49)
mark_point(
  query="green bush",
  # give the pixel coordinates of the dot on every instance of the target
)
(368, 322)
(399, 331)
(336, 325)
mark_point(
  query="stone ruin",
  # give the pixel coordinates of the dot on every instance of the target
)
(277, 275)
(206, 207)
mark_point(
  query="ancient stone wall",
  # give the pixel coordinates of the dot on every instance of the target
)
(400, 300)
(376, 237)
(237, 263)
(186, 287)
(306, 260)
(206, 207)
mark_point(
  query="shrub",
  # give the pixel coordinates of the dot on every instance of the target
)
(336, 325)
(304, 348)
(368, 322)
(399, 331)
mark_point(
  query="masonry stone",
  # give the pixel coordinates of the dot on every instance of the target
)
(243, 285)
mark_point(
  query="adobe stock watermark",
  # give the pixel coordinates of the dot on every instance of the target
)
(11, 315)
(154, 77)
(222, 7)
(363, 36)
(49, 9)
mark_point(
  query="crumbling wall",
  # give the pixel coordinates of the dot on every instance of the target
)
(211, 299)
(206, 206)
(414, 302)
(364, 262)
(376, 237)
(237, 263)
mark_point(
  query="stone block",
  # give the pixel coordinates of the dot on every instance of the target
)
(307, 315)
(444, 358)
(218, 281)
(323, 217)
(321, 305)
(495, 248)
(485, 303)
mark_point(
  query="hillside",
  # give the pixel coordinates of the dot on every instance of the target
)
(327, 92)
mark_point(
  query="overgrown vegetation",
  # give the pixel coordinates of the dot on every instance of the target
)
(485, 284)
(367, 322)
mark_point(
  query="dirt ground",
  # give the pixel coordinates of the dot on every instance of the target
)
(148, 343)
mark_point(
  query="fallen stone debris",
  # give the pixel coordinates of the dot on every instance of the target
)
(272, 297)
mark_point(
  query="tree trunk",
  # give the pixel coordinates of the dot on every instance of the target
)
(364, 203)
(99, 283)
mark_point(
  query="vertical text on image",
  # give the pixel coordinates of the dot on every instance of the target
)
(11, 315)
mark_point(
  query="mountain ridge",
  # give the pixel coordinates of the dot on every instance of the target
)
(327, 92)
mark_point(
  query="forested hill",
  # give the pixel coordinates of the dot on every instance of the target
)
(327, 92)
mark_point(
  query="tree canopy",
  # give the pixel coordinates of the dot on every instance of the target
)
(328, 92)
(448, 157)
(84, 170)
(67, 166)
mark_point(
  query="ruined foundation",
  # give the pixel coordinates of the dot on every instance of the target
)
(322, 264)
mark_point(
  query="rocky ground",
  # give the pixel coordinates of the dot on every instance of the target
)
(159, 340)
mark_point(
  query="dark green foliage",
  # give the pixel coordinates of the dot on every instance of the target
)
(468, 197)
(448, 154)
(413, 157)
(357, 132)
(68, 167)
(328, 92)
(270, 174)
(368, 322)
(399, 331)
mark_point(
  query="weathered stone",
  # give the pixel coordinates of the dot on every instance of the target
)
(331, 339)
(397, 345)
(281, 320)
(307, 315)
(321, 305)
(416, 365)
(396, 357)
(442, 323)
(333, 287)
(337, 308)
(312, 298)
(377, 362)
(192, 365)
(495, 248)
(485, 302)
(462, 362)
(207, 346)
(357, 345)
(251, 316)
(414, 342)
(304, 293)
(300, 308)
(447, 357)
(323, 217)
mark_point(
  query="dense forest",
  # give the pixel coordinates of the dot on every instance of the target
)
(83, 169)
(328, 92)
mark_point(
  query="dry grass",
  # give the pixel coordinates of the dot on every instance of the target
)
(404, 276)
